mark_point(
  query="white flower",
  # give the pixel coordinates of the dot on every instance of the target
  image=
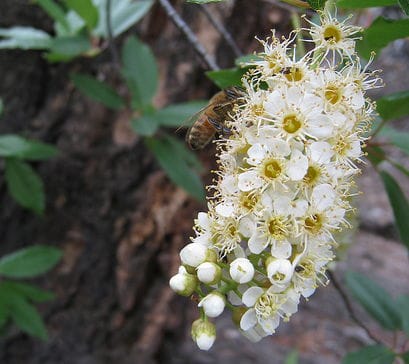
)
(241, 270)
(183, 283)
(209, 273)
(213, 304)
(204, 334)
(193, 254)
(280, 272)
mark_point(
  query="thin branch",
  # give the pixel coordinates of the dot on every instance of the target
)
(112, 48)
(349, 308)
(222, 30)
(184, 28)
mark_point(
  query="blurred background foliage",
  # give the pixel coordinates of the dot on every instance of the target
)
(87, 29)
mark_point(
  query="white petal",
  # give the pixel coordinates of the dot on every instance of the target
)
(297, 166)
(279, 147)
(251, 296)
(294, 95)
(270, 324)
(320, 126)
(321, 152)
(323, 196)
(282, 205)
(249, 181)
(300, 207)
(256, 154)
(247, 226)
(257, 243)
(248, 320)
(225, 209)
(282, 250)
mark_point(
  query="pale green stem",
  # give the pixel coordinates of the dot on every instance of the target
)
(295, 20)
(298, 3)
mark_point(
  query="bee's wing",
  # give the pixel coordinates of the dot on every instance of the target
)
(187, 123)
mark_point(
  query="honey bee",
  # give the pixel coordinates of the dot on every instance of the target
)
(211, 120)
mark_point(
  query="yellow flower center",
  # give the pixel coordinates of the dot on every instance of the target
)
(333, 94)
(248, 200)
(277, 228)
(257, 110)
(312, 175)
(291, 123)
(272, 169)
(332, 34)
(293, 74)
(313, 223)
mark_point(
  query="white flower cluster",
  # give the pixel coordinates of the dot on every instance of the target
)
(284, 183)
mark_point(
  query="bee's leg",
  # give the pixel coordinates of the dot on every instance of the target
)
(220, 128)
(226, 131)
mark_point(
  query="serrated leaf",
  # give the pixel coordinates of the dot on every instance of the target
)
(140, 72)
(145, 125)
(70, 46)
(97, 90)
(29, 291)
(29, 262)
(27, 318)
(380, 33)
(15, 146)
(359, 4)
(176, 161)
(374, 299)
(400, 206)
(393, 106)
(375, 354)
(402, 303)
(124, 14)
(24, 38)
(404, 4)
(227, 77)
(25, 185)
(317, 4)
(86, 10)
(177, 114)
(55, 11)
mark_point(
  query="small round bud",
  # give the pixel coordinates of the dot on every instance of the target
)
(213, 304)
(241, 270)
(183, 283)
(193, 254)
(203, 333)
(209, 273)
(279, 271)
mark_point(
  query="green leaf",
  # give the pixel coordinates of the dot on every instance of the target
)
(145, 125)
(358, 4)
(140, 71)
(24, 38)
(25, 185)
(227, 77)
(177, 161)
(15, 146)
(29, 291)
(177, 114)
(404, 4)
(97, 90)
(400, 206)
(381, 32)
(402, 303)
(375, 354)
(124, 14)
(405, 357)
(292, 358)
(55, 11)
(86, 10)
(203, 1)
(397, 137)
(27, 318)
(374, 299)
(317, 4)
(4, 313)
(376, 155)
(70, 46)
(29, 262)
(393, 106)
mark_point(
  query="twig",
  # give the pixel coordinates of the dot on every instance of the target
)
(223, 31)
(349, 308)
(184, 28)
(112, 48)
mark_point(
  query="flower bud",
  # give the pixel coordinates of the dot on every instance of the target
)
(209, 273)
(193, 254)
(279, 271)
(213, 304)
(183, 283)
(241, 270)
(203, 333)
